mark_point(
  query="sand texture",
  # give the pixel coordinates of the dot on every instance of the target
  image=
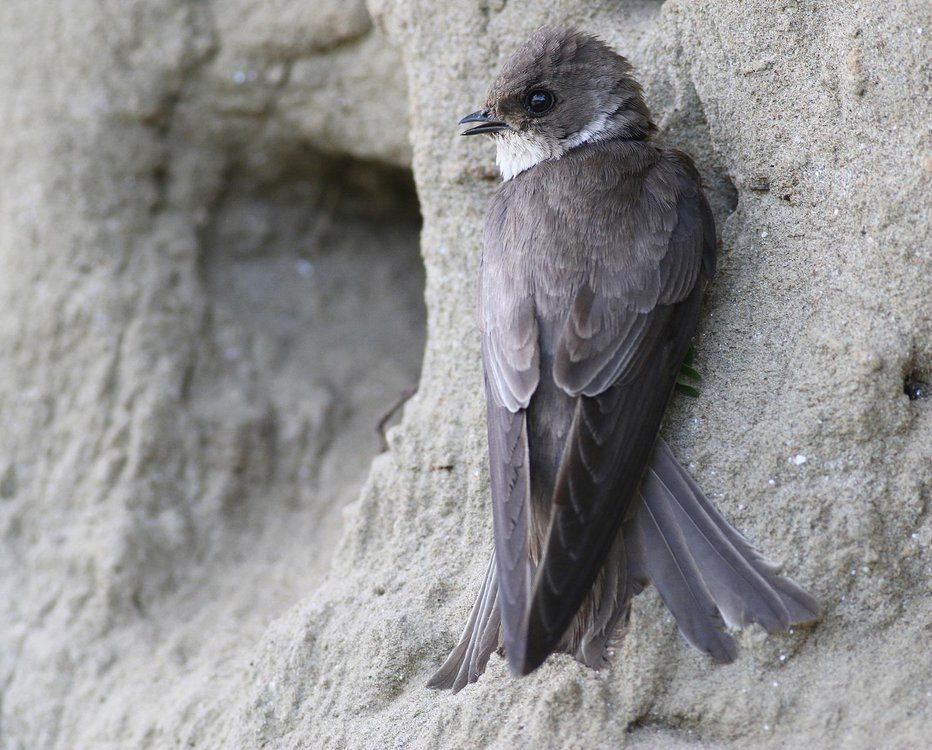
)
(211, 290)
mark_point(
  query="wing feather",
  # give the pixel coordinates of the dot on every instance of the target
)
(619, 353)
(615, 322)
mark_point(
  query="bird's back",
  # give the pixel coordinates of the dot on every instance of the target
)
(553, 229)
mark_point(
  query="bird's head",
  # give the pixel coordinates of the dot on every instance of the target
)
(559, 90)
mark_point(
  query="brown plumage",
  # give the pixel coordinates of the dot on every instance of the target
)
(597, 248)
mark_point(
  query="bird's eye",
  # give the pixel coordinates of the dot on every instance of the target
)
(539, 102)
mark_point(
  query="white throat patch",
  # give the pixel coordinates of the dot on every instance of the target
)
(516, 152)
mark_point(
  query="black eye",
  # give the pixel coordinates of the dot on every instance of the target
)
(539, 101)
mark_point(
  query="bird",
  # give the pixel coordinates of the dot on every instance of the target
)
(597, 248)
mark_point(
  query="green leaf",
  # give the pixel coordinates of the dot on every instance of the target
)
(687, 390)
(690, 372)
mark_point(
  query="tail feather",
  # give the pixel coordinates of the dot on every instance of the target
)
(657, 537)
(611, 608)
(741, 592)
(481, 636)
(747, 587)
(706, 572)
(694, 556)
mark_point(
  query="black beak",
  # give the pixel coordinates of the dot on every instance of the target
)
(488, 124)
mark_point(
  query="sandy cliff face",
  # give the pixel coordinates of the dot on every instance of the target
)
(211, 288)
(198, 226)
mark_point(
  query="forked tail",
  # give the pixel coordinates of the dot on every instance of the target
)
(704, 569)
(707, 573)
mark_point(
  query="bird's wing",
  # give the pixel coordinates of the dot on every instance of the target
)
(510, 479)
(510, 351)
(620, 351)
(616, 320)
(511, 363)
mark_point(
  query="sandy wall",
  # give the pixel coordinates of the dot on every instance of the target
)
(211, 290)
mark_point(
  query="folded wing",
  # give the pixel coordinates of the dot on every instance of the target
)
(619, 352)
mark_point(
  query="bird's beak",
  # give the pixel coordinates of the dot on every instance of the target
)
(488, 125)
